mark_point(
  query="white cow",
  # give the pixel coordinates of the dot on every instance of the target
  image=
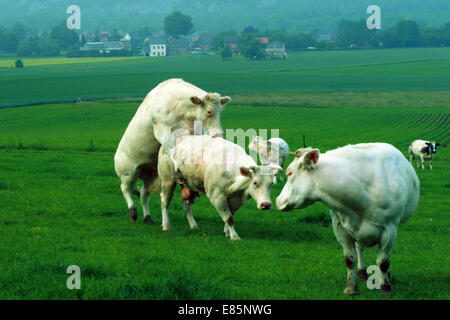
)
(370, 189)
(220, 169)
(422, 150)
(172, 105)
(274, 151)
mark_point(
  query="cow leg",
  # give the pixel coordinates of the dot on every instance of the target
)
(127, 190)
(145, 195)
(431, 164)
(387, 240)
(348, 244)
(226, 231)
(423, 162)
(411, 158)
(418, 162)
(164, 135)
(188, 211)
(222, 207)
(362, 271)
(167, 189)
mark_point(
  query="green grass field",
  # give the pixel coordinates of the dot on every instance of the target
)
(322, 71)
(62, 205)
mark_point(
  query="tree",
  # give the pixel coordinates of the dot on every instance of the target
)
(19, 30)
(250, 29)
(299, 41)
(48, 46)
(226, 53)
(409, 33)
(19, 63)
(177, 24)
(66, 38)
(217, 41)
(26, 48)
(115, 36)
(8, 42)
(253, 50)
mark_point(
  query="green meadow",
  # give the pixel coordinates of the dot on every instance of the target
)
(321, 71)
(61, 203)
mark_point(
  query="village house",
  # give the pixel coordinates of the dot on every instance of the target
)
(126, 41)
(276, 49)
(326, 36)
(264, 41)
(233, 43)
(177, 46)
(158, 47)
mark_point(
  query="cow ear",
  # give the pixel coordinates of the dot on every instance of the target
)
(245, 171)
(225, 100)
(427, 143)
(196, 100)
(311, 158)
(437, 144)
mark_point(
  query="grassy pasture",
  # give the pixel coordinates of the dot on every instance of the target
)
(360, 70)
(45, 61)
(61, 205)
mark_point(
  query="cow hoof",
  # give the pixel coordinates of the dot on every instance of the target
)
(133, 214)
(350, 291)
(235, 238)
(148, 220)
(362, 275)
(386, 289)
(165, 228)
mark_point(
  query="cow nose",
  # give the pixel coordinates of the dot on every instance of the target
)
(265, 205)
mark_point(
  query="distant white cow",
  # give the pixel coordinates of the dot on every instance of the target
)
(370, 189)
(422, 150)
(220, 169)
(274, 151)
(174, 104)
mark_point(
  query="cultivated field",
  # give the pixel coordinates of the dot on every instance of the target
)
(61, 203)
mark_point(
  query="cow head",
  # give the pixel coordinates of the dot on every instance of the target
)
(298, 188)
(432, 146)
(260, 183)
(209, 110)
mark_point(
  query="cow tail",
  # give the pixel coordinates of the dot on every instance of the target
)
(155, 186)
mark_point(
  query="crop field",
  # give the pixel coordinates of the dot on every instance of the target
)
(61, 203)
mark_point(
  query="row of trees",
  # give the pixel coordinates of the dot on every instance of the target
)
(15, 40)
(405, 33)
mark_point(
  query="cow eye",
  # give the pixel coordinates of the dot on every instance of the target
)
(289, 173)
(255, 183)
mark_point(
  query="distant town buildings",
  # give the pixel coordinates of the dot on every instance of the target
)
(326, 36)
(106, 46)
(276, 49)
(158, 47)
(233, 43)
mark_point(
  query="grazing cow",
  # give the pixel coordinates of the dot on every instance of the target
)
(172, 105)
(274, 151)
(370, 189)
(220, 169)
(422, 150)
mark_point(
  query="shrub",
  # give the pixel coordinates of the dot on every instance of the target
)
(19, 63)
